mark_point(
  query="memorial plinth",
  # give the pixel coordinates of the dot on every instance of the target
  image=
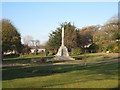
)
(62, 53)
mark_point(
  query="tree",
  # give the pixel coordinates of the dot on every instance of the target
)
(107, 35)
(36, 44)
(27, 40)
(111, 28)
(26, 49)
(54, 40)
(86, 35)
(70, 35)
(11, 39)
(69, 39)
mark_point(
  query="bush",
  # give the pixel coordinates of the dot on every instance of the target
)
(76, 51)
(38, 60)
(11, 56)
(52, 52)
(104, 49)
(116, 49)
(43, 60)
(110, 47)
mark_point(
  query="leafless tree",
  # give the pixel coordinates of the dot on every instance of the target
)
(27, 40)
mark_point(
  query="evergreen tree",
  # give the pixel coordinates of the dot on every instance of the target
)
(11, 39)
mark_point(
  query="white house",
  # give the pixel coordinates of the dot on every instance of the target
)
(39, 50)
(9, 52)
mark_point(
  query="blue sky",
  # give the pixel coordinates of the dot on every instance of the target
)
(38, 19)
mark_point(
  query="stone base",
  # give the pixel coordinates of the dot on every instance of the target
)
(62, 51)
(62, 55)
(62, 58)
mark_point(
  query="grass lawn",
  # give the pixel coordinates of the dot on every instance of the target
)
(39, 56)
(102, 75)
(89, 58)
(27, 57)
(79, 58)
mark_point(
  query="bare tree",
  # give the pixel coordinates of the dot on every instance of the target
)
(27, 40)
(35, 42)
(113, 20)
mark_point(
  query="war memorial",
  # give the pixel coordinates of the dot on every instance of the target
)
(62, 53)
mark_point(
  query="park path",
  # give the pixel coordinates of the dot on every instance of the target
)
(80, 63)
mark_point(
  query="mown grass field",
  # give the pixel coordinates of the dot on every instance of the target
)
(90, 57)
(43, 56)
(28, 56)
(102, 75)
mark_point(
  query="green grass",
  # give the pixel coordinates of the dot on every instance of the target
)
(102, 75)
(79, 58)
(27, 56)
(39, 56)
(88, 58)
(87, 54)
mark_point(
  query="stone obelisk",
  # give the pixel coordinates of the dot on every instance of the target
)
(62, 36)
(62, 53)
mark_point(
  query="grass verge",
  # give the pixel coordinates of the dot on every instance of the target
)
(102, 75)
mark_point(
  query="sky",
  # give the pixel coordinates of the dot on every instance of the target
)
(38, 19)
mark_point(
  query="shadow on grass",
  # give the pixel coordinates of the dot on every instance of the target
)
(10, 73)
(85, 57)
(23, 60)
(61, 61)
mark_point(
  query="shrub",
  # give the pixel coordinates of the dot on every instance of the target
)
(43, 60)
(11, 56)
(38, 60)
(116, 49)
(76, 51)
(110, 47)
(51, 52)
(104, 49)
